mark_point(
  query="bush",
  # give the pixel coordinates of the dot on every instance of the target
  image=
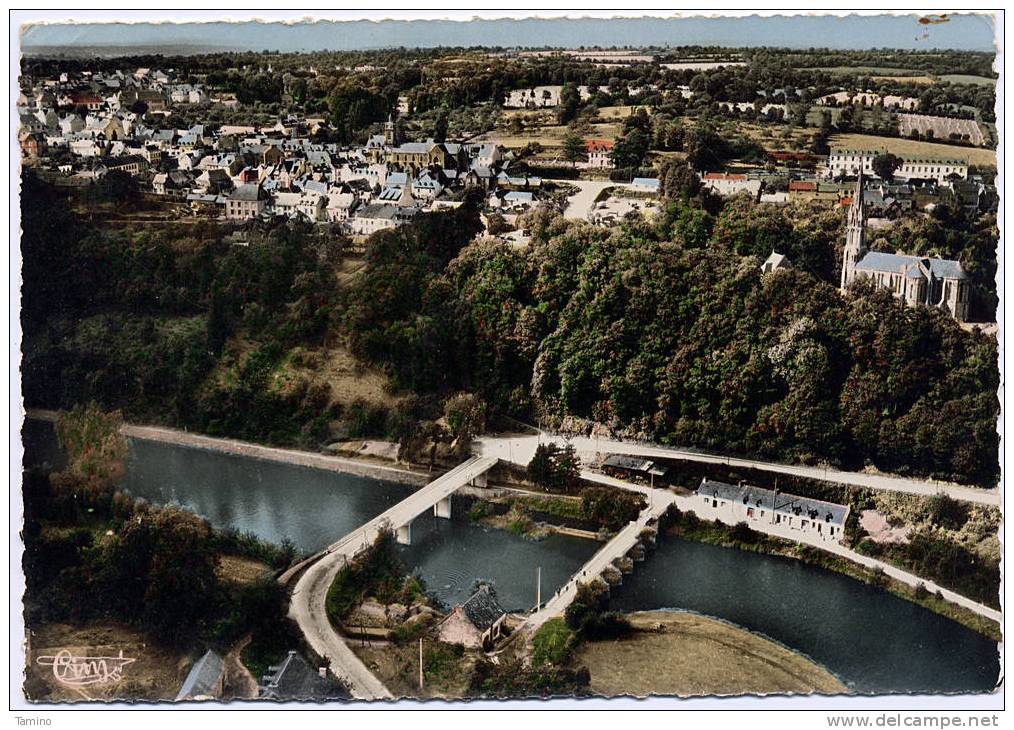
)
(611, 508)
(947, 512)
(511, 679)
(552, 643)
(378, 572)
(743, 533)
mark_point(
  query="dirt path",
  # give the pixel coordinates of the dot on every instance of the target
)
(239, 683)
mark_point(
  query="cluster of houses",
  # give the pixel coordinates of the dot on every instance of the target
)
(293, 679)
(90, 126)
(920, 183)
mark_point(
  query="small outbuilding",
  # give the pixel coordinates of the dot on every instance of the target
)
(621, 466)
(774, 262)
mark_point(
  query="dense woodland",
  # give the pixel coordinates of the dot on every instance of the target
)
(94, 553)
(666, 331)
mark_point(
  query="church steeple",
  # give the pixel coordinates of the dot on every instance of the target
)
(855, 235)
(389, 132)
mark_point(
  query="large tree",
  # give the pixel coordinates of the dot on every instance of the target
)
(885, 165)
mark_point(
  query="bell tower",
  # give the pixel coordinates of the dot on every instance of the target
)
(389, 132)
(855, 236)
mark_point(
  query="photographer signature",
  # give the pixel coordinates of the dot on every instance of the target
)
(79, 671)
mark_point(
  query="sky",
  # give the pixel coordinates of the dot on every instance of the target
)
(961, 32)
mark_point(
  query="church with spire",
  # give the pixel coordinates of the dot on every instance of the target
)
(916, 280)
(855, 236)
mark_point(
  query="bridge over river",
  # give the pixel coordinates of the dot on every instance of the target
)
(621, 544)
(310, 593)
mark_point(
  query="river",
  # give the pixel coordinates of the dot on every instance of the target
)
(872, 640)
(313, 508)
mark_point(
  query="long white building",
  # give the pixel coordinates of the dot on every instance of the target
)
(733, 504)
(842, 162)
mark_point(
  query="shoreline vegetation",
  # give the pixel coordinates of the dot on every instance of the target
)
(167, 576)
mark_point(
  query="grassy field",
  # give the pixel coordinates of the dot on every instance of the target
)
(905, 75)
(899, 146)
(966, 79)
(906, 79)
(695, 655)
(880, 70)
(242, 571)
(446, 670)
(618, 112)
(549, 135)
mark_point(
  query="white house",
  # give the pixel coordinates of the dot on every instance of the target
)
(725, 184)
(599, 153)
(379, 217)
(340, 206)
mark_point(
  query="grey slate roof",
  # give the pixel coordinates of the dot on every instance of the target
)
(202, 677)
(898, 263)
(783, 502)
(295, 679)
(482, 609)
(632, 463)
(249, 192)
(415, 147)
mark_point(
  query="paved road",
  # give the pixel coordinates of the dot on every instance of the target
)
(307, 610)
(519, 449)
(309, 596)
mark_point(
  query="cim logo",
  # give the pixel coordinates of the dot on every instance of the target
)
(81, 671)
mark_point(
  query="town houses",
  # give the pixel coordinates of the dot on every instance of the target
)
(774, 510)
(85, 125)
(88, 125)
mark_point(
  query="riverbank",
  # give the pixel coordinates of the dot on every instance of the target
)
(688, 655)
(713, 533)
(309, 459)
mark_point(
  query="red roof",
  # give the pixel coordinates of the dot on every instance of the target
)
(599, 145)
(85, 99)
(807, 185)
(723, 176)
(797, 156)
